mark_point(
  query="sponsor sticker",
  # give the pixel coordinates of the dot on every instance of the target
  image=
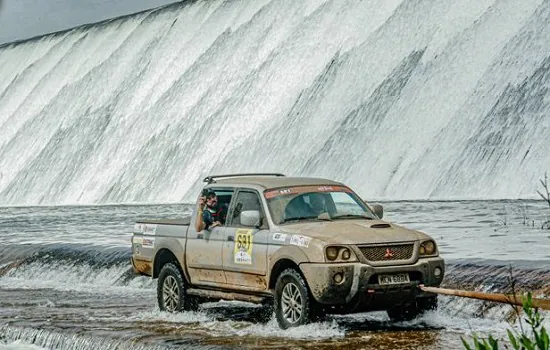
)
(149, 229)
(138, 240)
(148, 243)
(299, 240)
(305, 189)
(242, 253)
(280, 237)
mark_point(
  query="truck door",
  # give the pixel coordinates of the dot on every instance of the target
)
(204, 249)
(245, 248)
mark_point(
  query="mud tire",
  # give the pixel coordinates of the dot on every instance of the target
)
(171, 279)
(427, 304)
(413, 310)
(265, 313)
(291, 283)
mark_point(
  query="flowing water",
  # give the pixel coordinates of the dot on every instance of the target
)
(66, 282)
(427, 99)
(438, 108)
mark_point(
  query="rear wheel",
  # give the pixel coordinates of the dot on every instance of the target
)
(410, 311)
(292, 302)
(171, 289)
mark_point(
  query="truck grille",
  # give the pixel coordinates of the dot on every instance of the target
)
(388, 253)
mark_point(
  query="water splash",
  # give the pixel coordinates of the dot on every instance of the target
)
(19, 345)
(41, 338)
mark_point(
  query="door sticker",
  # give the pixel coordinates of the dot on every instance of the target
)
(281, 237)
(299, 240)
(148, 243)
(243, 247)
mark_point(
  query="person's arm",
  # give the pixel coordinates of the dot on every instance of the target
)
(207, 220)
(199, 223)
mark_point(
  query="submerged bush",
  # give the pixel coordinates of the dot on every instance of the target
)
(523, 340)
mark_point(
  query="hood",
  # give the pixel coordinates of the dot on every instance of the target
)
(354, 231)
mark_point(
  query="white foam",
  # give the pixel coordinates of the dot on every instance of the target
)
(313, 331)
(20, 345)
(218, 328)
(180, 318)
(81, 278)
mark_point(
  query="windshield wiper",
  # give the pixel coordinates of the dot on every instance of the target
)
(351, 216)
(298, 218)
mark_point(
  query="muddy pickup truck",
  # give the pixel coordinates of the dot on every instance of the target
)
(301, 247)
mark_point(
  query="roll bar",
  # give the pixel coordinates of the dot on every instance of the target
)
(212, 178)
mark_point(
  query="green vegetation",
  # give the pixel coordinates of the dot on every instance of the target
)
(536, 338)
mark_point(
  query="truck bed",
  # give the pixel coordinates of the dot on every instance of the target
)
(186, 221)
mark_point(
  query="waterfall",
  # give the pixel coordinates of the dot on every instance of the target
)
(398, 99)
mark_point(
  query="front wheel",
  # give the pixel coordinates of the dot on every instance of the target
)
(411, 311)
(171, 288)
(292, 302)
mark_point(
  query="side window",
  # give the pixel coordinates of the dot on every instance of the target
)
(345, 203)
(246, 200)
(224, 196)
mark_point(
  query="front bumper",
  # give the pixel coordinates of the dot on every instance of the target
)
(360, 287)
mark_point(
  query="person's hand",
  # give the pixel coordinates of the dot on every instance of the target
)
(202, 203)
(216, 223)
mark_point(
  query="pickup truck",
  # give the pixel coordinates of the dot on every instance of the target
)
(301, 247)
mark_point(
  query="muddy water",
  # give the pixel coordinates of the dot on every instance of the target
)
(66, 283)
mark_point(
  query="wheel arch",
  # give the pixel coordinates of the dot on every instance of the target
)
(163, 257)
(281, 265)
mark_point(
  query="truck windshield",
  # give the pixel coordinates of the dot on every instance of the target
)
(299, 203)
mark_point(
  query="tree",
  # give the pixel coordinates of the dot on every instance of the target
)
(545, 195)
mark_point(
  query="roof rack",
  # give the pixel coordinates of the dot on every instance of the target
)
(212, 178)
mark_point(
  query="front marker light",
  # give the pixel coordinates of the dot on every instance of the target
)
(338, 278)
(346, 254)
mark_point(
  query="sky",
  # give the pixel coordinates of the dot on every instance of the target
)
(21, 19)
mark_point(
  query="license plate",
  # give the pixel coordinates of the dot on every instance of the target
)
(393, 279)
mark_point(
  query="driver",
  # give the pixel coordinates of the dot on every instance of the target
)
(318, 203)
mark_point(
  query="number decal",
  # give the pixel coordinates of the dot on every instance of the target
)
(243, 247)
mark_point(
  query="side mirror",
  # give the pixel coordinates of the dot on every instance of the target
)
(250, 218)
(378, 210)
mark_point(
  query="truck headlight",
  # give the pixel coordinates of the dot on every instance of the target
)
(332, 253)
(339, 253)
(427, 248)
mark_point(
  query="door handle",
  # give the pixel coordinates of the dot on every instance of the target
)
(231, 238)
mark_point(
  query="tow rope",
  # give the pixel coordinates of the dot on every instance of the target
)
(499, 298)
